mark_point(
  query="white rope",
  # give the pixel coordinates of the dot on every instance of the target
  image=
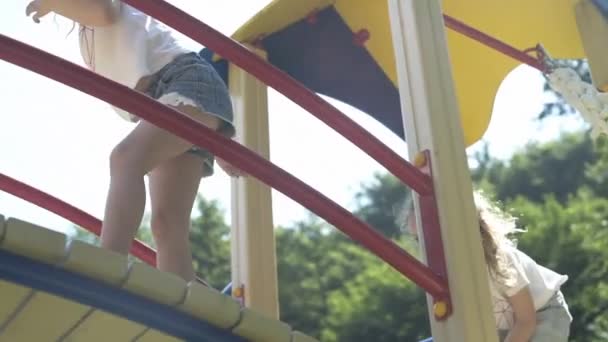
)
(584, 97)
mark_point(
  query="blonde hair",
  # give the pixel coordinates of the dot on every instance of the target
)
(496, 228)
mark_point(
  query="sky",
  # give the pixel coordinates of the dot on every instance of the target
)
(58, 139)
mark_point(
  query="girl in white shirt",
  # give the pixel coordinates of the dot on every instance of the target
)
(527, 301)
(125, 45)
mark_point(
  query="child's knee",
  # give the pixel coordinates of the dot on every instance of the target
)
(124, 160)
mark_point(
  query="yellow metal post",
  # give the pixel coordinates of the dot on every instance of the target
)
(432, 122)
(254, 271)
(593, 28)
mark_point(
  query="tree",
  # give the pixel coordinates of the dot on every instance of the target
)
(335, 290)
(210, 239)
(380, 201)
(557, 168)
(310, 263)
(379, 304)
(332, 288)
(572, 239)
(558, 191)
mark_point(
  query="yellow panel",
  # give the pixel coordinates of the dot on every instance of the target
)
(157, 336)
(44, 318)
(373, 16)
(12, 297)
(476, 101)
(276, 16)
(33, 241)
(523, 23)
(297, 336)
(517, 22)
(258, 328)
(101, 326)
(211, 306)
(592, 24)
(478, 71)
(161, 287)
(98, 263)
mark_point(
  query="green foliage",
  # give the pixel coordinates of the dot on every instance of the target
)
(379, 304)
(557, 168)
(331, 288)
(210, 241)
(379, 203)
(312, 261)
(335, 290)
(571, 238)
(559, 191)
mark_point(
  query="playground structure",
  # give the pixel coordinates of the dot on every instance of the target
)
(401, 49)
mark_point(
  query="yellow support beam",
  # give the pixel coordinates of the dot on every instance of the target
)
(593, 28)
(432, 122)
(254, 271)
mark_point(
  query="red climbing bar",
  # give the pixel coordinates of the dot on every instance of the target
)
(492, 42)
(162, 116)
(69, 212)
(283, 83)
(431, 232)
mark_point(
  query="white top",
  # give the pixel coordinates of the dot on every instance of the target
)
(135, 46)
(542, 282)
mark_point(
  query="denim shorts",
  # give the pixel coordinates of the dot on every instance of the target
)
(552, 321)
(191, 80)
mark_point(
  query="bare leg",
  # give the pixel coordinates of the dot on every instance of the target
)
(145, 148)
(173, 188)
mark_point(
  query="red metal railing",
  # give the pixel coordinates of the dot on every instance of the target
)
(162, 116)
(492, 42)
(283, 83)
(69, 212)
